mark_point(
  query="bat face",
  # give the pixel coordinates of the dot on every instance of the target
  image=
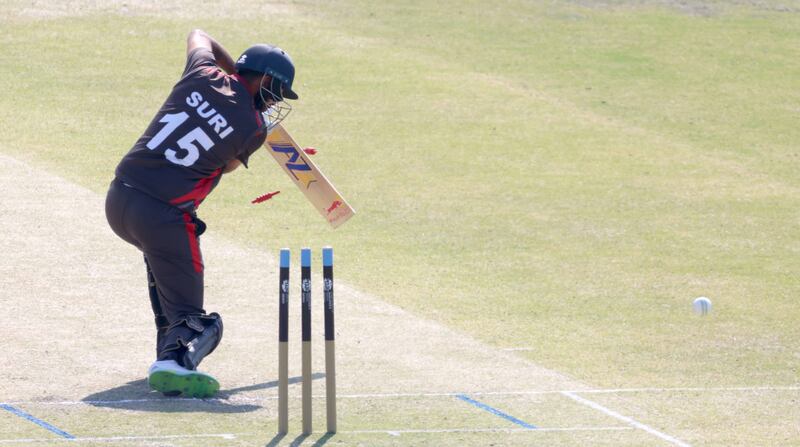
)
(336, 204)
(305, 174)
(296, 165)
(338, 212)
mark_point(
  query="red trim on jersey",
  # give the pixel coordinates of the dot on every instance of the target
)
(194, 247)
(199, 192)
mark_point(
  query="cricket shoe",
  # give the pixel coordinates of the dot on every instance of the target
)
(172, 379)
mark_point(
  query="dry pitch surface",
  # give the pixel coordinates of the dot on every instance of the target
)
(78, 340)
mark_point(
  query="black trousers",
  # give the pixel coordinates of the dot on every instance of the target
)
(169, 239)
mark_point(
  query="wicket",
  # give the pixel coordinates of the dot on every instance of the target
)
(283, 340)
(283, 343)
(305, 320)
(330, 346)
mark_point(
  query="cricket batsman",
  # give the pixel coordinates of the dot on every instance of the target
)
(216, 116)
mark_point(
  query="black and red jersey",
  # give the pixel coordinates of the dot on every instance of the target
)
(207, 121)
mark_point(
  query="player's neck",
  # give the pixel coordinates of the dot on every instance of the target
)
(249, 84)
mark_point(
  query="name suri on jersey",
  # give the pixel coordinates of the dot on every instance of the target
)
(217, 121)
(187, 144)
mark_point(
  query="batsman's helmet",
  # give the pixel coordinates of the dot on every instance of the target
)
(272, 61)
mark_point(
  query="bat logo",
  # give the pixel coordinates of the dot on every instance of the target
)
(296, 164)
(334, 205)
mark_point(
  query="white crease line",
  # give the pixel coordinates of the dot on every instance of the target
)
(582, 391)
(242, 399)
(688, 389)
(118, 438)
(625, 419)
(383, 432)
(485, 430)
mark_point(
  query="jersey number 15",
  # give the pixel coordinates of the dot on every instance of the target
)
(186, 142)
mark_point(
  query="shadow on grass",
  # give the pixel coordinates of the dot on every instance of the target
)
(137, 396)
(298, 441)
(323, 440)
(226, 394)
(276, 440)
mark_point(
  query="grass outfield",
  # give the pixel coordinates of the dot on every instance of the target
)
(556, 178)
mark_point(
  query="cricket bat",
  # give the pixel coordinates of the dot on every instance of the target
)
(307, 176)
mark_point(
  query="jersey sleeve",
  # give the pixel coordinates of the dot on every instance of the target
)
(252, 144)
(199, 57)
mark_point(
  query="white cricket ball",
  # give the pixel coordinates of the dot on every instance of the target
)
(702, 306)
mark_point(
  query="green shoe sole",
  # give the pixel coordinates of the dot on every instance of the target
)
(194, 384)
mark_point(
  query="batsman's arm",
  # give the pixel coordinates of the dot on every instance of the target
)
(199, 39)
